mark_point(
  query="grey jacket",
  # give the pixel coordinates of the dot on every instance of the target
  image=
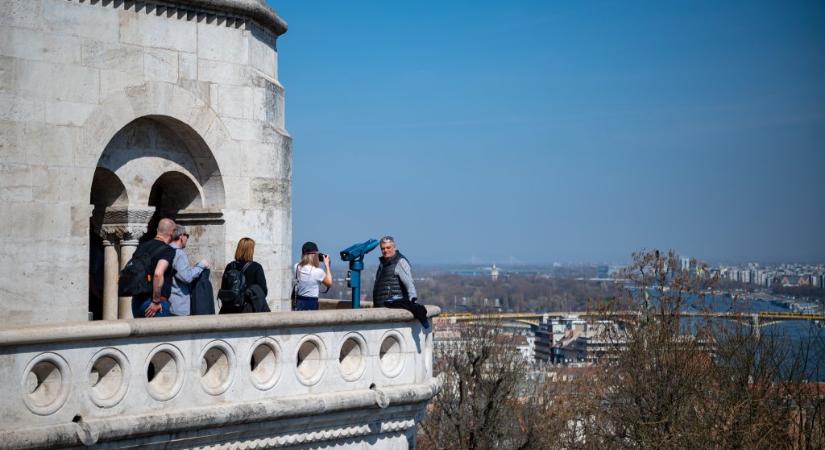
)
(184, 274)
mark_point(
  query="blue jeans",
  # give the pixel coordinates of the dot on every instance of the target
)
(139, 308)
(306, 303)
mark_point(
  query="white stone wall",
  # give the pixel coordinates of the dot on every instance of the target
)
(332, 379)
(74, 73)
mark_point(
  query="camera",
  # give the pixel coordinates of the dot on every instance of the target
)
(321, 256)
(358, 251)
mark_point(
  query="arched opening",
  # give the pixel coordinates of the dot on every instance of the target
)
(154, 167)
(174, 192)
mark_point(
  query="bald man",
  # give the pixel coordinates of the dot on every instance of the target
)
(162, 256)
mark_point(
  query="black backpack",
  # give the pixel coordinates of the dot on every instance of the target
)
(233, 285)
(136, 277)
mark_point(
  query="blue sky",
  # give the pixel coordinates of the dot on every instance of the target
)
(542, 131)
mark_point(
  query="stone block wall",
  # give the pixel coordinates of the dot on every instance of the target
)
(75, 73)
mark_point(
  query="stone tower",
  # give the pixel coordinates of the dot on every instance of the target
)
(115, 113)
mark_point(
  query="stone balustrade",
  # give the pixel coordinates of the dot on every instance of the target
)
(338, 377)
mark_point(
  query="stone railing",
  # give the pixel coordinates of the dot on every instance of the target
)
(346, 378)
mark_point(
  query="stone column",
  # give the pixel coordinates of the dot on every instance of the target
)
(110, 274)
(125, 227)
(128, 244)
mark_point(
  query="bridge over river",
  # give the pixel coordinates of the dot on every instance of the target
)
(756, 320)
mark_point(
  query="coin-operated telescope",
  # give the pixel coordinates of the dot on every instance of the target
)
(355, 256)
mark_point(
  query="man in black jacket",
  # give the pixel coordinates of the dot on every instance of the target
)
(394, 287)
(157, 304)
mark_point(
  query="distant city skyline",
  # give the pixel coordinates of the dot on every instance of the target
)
(570, 132)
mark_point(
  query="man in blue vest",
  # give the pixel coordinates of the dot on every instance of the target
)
(394, 287)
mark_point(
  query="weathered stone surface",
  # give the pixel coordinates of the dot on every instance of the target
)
(151, 30)
(188, 66)
(21, 109)
(270, 192)
(222, 43)
(262, 54)
(113, 56)
(160, 65)
(34, 44)
(14, 142)
(30, 221)
(116, 81)
(60, 183)
(244, 129)
(55, 82)
(223, 73)
(22, 13)
(236, 102)
(68, 113)
(15, 183)
(78, 19)
(262, 159)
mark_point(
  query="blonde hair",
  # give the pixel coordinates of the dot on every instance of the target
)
(245, 250)
(309, 259)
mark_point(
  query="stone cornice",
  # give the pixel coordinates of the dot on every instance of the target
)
(256, 10)
(80, 331)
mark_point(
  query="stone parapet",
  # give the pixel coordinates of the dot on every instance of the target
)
(338, 377)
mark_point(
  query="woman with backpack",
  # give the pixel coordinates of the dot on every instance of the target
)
(309, 277)
(243, 286)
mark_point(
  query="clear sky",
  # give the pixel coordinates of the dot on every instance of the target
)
(573, 131)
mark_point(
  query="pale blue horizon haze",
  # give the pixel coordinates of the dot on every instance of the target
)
(535, 132)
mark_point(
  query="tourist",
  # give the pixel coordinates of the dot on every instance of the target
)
(394, 287)
(161, 256)
(251, 296)
(184, 273)
(309, 277)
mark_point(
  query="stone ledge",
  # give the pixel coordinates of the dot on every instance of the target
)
(80, 331)
(88, 433)
(331, 303)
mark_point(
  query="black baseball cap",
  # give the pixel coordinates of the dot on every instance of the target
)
(309, 247)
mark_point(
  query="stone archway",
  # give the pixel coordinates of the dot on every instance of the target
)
(153, 167)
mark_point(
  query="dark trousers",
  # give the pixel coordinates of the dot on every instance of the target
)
(306, 303)
(419, 311)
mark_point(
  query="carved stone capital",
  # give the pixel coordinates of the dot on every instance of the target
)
(128, 215)
(124, 233)
(124, 226)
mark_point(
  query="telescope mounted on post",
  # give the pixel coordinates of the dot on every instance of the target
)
(355, 256)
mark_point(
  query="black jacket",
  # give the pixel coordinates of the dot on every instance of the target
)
(256, 290)
(388, 285)
(201, 297)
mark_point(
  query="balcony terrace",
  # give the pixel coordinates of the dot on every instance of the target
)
(334, 378)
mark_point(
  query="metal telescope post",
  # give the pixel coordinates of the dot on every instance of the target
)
(355, 268)
(355, 256)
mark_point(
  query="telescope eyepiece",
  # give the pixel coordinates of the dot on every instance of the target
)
(358, 251)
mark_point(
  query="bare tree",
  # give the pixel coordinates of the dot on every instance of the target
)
(676, 383)
(485, 395)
